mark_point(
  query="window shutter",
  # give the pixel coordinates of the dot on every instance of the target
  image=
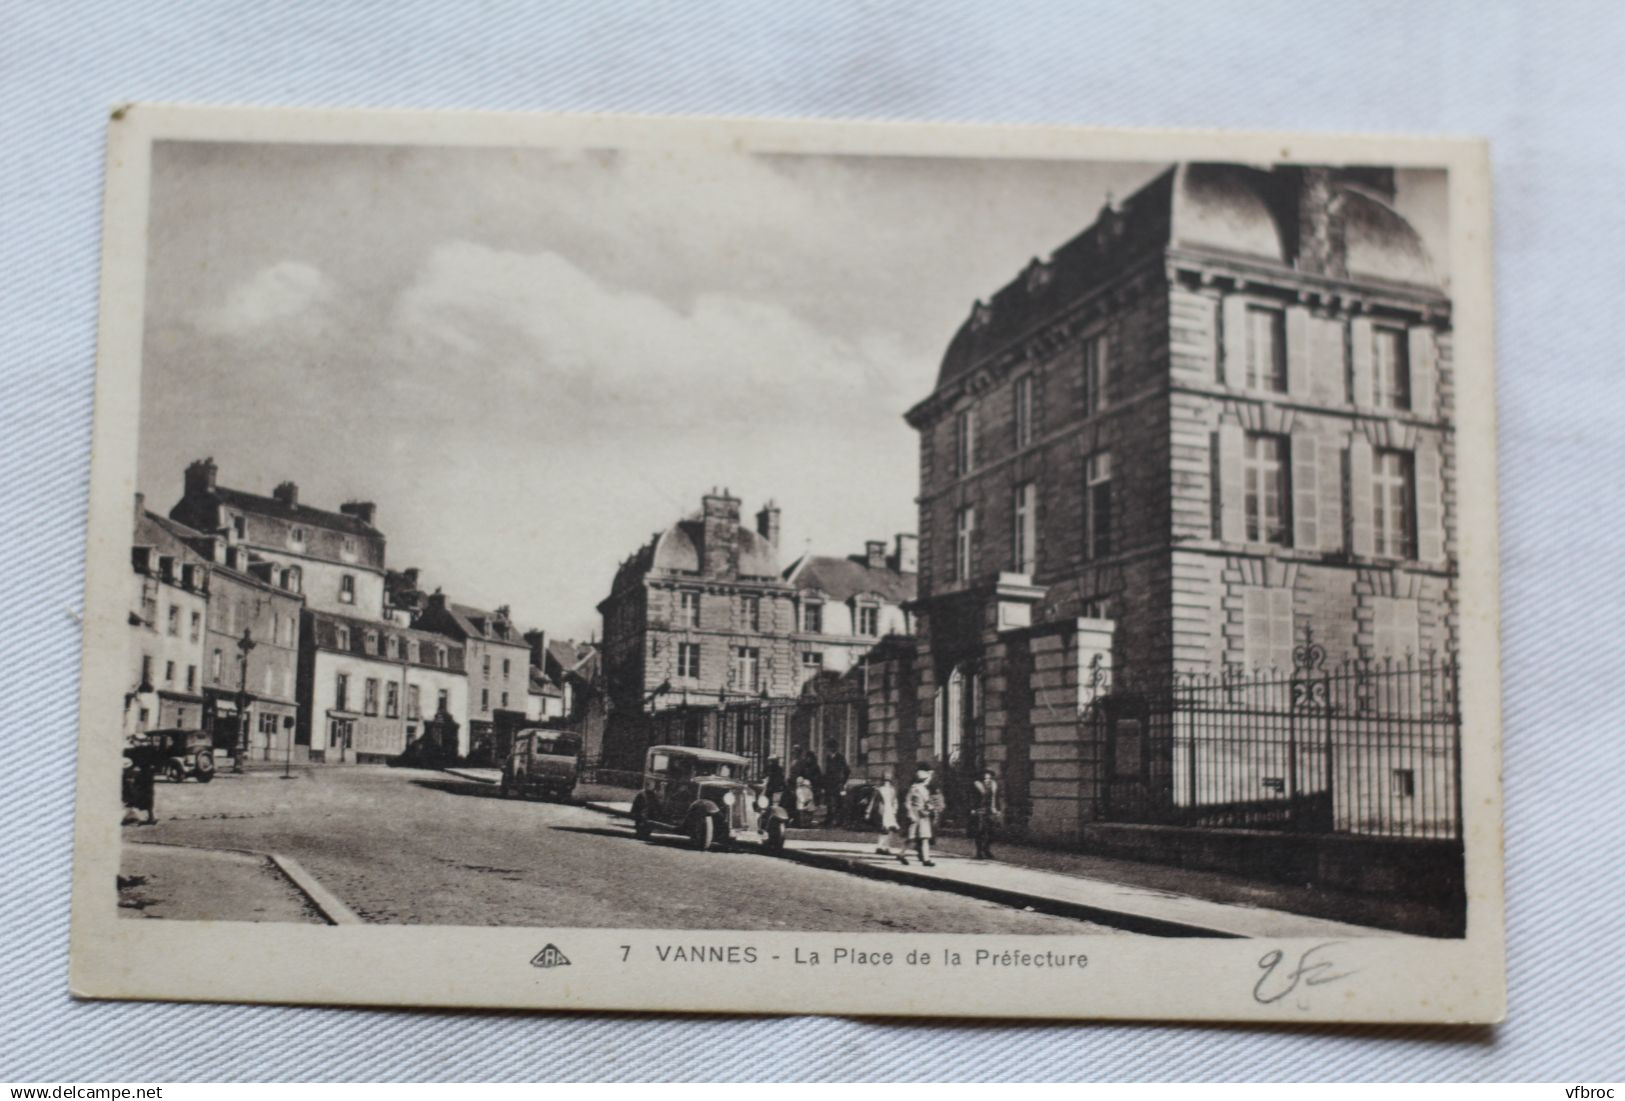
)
(1305, 492)
(1256, 628)
(1229, 442)
(1299, 354)
(1360, 533)
(1326, 366)
(1233, 371)
(1424, 369)
(1360, 347)
(1280, 604)
(1330, 502)
(1429, 513)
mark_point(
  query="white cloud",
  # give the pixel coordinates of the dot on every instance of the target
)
(279, 292)
(538, 321)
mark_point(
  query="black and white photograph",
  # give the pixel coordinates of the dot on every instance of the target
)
(797, 553)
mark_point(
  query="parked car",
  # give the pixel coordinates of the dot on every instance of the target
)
(703, 794)
(183, 753)
(542, 762)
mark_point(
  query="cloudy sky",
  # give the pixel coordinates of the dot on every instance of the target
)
(531, 360)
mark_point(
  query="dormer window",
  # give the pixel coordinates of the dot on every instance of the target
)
(412, 650)
(347, 549)
(239, 526)
(293, 579)
(812, 617)
(341, 637)
(392, 646)
(372, 643)
(347, 588)
(440, 656)
(296, 537)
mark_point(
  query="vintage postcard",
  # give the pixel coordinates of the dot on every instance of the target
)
(788, 567)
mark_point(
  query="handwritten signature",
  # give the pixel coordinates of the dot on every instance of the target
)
(1313, 968)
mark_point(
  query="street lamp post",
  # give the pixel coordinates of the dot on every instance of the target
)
(245, 646)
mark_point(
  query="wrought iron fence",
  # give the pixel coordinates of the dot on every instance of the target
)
(1359, 747)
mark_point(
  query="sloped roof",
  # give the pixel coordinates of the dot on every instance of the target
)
(479, 623)
(542, 685)
(316, 517)
(190, 539)
(844, 578)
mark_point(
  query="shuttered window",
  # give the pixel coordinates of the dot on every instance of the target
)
(1391, 368)
(1393, 501)
(1266, 349)
(1395, 630)
(1266, 488)
(1267, 641)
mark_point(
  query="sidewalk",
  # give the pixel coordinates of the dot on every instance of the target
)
(1146, 898)
(1109, 901)
(187, 884)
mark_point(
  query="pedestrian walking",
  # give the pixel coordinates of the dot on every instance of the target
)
(836, 774)
(988, 813)
(922, 815)
(883, 815)
(774, 784)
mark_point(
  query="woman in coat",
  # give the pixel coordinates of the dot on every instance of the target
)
(922, 815)
(883, 815)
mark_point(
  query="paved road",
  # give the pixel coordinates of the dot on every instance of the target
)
(402, 845)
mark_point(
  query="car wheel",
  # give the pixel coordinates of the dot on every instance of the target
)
(701, 832)
(775, 834)
(175, 772)
(205, 775)
(204, 766)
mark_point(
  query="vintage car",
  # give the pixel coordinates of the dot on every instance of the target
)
(702, 793)
(542, 762)
(182, 753)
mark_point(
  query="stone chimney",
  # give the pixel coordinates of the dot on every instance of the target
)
(287, 493)
(361, 510)
(874, 554)
(908, 553)
(140, 505)
(767, 523)
(538, 647)
(1320, 248)
(200, 477)
(719, 557)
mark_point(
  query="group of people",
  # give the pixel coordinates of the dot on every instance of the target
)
(905, 821)
(809, 784)
(922, 806)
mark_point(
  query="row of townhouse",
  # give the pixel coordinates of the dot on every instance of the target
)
(275, 626)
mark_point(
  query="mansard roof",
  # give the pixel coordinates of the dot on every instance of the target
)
(1230, 211)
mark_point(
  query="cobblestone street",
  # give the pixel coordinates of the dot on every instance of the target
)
(410, 846)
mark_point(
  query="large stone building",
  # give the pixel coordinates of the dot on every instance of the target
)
(370, 689)
(498, 664)
(250, 642)
(335, 559)
(1214, 423)
(703, 614)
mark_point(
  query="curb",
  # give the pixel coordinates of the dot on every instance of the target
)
(1117, 919)
(326, 902)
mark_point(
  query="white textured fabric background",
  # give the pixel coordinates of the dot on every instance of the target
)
(1542, 80)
